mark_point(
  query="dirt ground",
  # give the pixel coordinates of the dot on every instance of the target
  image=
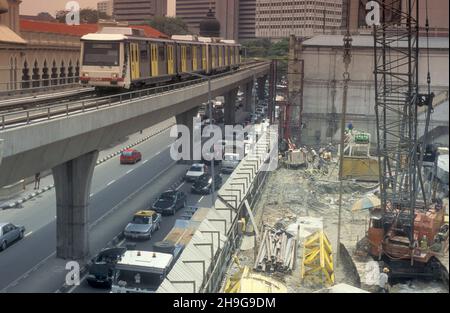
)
(289, 194)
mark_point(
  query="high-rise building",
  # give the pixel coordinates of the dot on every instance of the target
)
(281, 18)
(194, 11)
(138, 11)
(236, 17)
(105, 7)
(247, 12)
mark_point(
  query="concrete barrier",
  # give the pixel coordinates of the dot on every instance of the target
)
(13, 190)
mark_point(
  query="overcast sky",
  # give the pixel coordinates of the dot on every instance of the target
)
(33, 7)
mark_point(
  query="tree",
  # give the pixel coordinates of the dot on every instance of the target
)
(169, 25)
(87, 16)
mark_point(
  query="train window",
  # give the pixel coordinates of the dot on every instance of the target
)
(143, 52)
(161, 52)
(188, 52)
(101, 53)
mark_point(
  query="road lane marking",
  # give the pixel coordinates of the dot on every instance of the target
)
(16, 281)
(201, 198)
(90, 196)
(178, 188)
(129, 171)
(145, 161)
(111, 182)
(28, 234)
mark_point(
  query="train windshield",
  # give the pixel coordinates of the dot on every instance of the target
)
(101, 53)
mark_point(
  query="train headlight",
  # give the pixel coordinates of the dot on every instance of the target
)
(115, 76)
(85, 75)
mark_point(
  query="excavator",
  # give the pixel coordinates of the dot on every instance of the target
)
(408, 231)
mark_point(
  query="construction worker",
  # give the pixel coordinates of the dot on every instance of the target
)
(350, 127)
(383, 281)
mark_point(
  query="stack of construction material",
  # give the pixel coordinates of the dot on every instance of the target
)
(277, 251)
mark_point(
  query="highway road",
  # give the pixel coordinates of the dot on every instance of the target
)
(117, 192)
(112, 183)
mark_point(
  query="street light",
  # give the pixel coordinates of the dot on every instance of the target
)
(213, 184)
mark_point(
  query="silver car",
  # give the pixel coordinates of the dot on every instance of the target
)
(10, 233)
(143, 225)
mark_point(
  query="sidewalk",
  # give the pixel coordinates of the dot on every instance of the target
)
(104, 155)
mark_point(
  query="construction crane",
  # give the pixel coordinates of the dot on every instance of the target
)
(403, 231)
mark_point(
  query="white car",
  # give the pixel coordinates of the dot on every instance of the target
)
(196, 170)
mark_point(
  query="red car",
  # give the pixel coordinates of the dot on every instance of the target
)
(130, 156)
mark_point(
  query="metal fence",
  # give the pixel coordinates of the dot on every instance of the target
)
(47, 112)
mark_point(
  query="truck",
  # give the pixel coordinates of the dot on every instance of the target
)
(140, 271)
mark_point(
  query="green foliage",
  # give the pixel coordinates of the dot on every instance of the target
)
(264, 48)
(169, 25)
(88, 16)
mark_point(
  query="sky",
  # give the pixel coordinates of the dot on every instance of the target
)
(33, 7)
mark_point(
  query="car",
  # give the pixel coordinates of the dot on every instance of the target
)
(130, 156)
(230, 162)
(143, 225)
(203, 184)
(196, 170)
(10, 233)
(188, 213)
(169, 202)
(101, 267)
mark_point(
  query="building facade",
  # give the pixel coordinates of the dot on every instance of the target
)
(138, 11)
(281, 18)
(323, 86)
(105, 7)
(192, 12)
(236, 17)
(437, 12)
(247, 12)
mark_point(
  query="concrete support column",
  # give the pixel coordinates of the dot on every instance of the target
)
(186, 119)
(261, 86)
(249, 99)
(230, 107)
(72, 187)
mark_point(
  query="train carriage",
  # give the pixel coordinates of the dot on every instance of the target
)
(119, 57)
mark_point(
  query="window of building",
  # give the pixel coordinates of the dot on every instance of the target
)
(54, 73)
(36, 77)
(70, 72)
(45, 75)
(25, 76)
(62, 73)
(77, 71)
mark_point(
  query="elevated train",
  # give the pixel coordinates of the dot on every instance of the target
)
(121, 57)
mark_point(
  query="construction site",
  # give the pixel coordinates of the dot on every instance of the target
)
(359, 201)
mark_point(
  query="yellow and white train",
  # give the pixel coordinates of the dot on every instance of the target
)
(120, 57)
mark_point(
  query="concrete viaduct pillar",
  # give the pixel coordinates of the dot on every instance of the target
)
(261, 86)
(72, 187)
(186, 119)
(230, 107)
(249, 103)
